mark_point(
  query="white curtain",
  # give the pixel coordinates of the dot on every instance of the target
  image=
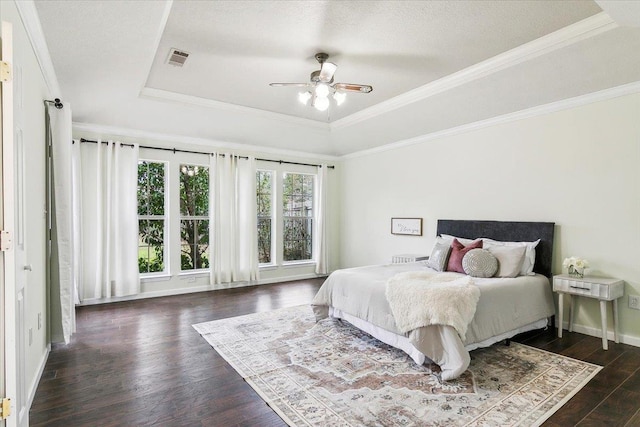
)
(232, 219)
(62, 290)
(106, 207)
(320, 232)
(76, 182)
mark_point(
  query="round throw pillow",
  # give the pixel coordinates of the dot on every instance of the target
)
(479, 263)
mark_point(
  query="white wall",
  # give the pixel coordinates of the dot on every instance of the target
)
(30, 90)
(579, 168)
(176, 282)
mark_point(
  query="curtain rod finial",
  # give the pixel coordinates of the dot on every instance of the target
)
(56, 103)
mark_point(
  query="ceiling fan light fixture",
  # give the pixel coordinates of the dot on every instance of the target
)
(321, 103)
(322, 90)
(321, 86)
(304, 97)
(327, 71)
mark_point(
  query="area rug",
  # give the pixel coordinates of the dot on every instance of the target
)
(332, 374)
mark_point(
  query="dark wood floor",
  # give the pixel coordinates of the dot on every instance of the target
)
(141, 363)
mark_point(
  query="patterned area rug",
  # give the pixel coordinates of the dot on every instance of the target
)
(332, 374)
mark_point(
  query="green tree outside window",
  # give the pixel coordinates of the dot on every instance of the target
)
(151, 216)
(194, 217)
(264, 180)
(297, 208)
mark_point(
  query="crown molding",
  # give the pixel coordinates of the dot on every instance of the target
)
(168, 4)
(165, 95)
(563, 37)
(202, 142)
(603, 95)
(31, 21)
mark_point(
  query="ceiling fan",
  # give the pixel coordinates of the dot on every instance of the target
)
(321, 85)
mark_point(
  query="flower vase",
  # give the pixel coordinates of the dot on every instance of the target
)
(575, 272)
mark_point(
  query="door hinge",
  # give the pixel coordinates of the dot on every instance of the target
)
(5, 241)
(5, 71)
(5, 409)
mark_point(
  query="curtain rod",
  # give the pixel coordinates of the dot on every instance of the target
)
(56, 103)
(177, 150)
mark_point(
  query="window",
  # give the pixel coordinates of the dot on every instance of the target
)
(194, 217)
(151, 217)
(264, 192)
(285, 216)
(297, 213)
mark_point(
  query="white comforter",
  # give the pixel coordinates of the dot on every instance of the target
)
(505, 305)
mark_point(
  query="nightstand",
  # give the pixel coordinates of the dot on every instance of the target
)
(399, 259)
(601, 288)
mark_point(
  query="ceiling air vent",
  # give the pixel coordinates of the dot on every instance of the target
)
(177, 57)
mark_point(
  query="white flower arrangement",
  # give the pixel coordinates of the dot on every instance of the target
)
(575, 266)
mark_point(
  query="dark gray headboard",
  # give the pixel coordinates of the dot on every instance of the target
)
(507, 231)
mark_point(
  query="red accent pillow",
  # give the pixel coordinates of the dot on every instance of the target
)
(458, 251)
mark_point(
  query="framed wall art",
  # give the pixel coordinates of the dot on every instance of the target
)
(406, 226)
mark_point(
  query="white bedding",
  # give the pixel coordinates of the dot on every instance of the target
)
(506, 307)
(452, 300)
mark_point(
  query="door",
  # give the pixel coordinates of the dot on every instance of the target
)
(8, 353)
(2, 262)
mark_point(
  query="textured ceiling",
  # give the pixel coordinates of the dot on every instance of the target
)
(237, 48)
(109, 57)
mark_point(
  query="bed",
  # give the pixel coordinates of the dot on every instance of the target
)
(505, 306)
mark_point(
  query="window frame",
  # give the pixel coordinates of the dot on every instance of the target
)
(166, 252)
(182, 217)
(314, 177)
(272, 218)
(277, 236)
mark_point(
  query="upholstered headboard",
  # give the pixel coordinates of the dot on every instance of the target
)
(507, 231)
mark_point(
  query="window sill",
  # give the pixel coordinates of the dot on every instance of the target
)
(155, 278)
(194, 273)
(294, 264)
(267, 267)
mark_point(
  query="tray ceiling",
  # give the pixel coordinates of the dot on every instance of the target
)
(110, 58)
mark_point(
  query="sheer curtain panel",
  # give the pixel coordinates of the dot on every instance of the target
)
(106, 205)
(62, 294)
(233, 219)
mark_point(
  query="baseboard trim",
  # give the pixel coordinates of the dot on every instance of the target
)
(596, 332)
(33, 387)
(194, 289)
(291, 278)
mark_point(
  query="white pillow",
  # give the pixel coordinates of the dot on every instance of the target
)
(510, 259)
(529, 255)
(462, 240)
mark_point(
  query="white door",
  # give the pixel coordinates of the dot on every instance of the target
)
(23, 267)
(2, 269)
(3, 336)
(8, 354)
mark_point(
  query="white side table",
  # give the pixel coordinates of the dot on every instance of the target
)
(399, 259)
(601, 288)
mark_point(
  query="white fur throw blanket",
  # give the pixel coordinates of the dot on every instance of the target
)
(421, 299)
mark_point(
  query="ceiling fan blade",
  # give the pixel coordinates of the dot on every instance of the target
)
(352, 87)
(327, 71)
(289, 84)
